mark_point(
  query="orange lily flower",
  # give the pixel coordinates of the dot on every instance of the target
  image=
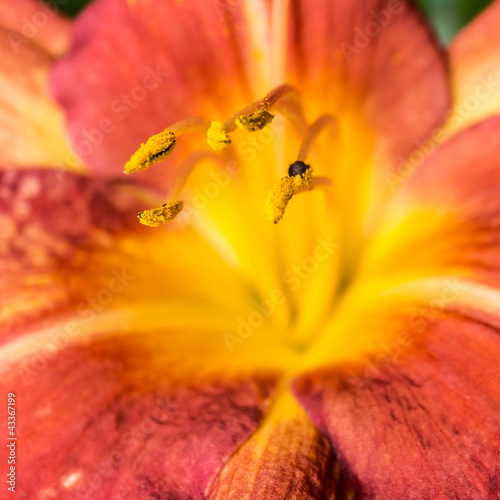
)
(314, 312)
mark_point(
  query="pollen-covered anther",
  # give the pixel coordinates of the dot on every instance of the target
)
(156, 217)
(280, 195)
(217, 137)
(154, 150)
(256, 121)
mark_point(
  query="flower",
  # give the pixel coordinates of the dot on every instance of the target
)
(350, 348)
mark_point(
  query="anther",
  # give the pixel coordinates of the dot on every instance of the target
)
(256, 116)
(280, 195)
(154, 150)
(256, 121)
(156, 217)
(161, 145)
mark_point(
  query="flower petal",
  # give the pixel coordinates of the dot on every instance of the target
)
(69, 243)
(101, 316)
(375, 62)
(35, 21)
(449, 210)
(286, 458)
(32, 126)
(167, 71)
(377, 68)
(474, 69)
(111, 418)
(417, 417)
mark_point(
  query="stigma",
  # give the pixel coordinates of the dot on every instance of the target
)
(299, 179)
(156, 217)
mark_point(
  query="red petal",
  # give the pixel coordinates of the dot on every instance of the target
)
(108, 420)
(420, 418)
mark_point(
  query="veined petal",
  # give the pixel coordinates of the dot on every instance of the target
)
(177, 59)
(376, 66)
(286, 458)
(101, 315)
(376, 60)
(32, 130)
(131, 413)
(34, 21)
(474, 71)
(416, 416)
(446, 218)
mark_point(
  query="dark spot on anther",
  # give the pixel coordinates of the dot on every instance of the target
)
(139, 214)
(298, 168)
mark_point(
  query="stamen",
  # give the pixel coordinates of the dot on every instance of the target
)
(300, 177)
(256, 116)
(166, 213)
(256, 121)
(154, 150)
(281, 194)
(160, 146)
(155, 217)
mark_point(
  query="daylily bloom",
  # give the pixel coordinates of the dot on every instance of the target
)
(316, 314)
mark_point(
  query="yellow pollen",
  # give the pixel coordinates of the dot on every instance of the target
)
(255, 121)
(155, 217)
(281, 194)
(154, 150)
(217, 137)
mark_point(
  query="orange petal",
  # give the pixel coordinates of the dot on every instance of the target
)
(287, 457)
(34, 21)
(475, 73)
(374, 63)
(126, 383)
(445, 219)
(108, 418)
(72, 244)
(417, 416)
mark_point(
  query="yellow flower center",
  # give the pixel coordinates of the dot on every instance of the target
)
(255, 165)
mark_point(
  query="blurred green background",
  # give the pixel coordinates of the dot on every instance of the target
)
(447, 15)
